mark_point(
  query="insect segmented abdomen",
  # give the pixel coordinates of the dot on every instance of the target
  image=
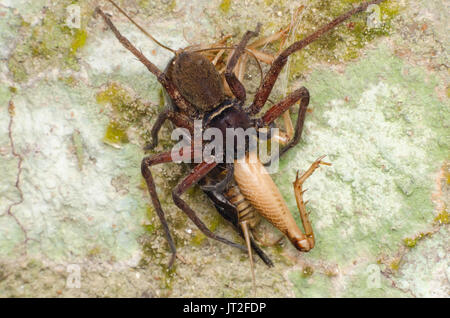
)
(246, 212)
(259, 189)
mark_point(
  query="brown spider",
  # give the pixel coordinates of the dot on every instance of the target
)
(197, 93)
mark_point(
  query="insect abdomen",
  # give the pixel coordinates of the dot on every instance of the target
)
(245, 210)
(260, 190)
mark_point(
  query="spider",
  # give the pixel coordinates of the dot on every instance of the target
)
(197, 93)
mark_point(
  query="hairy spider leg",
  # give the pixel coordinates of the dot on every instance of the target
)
(171, 89)
(278, 109)
(283, 136)
(272, 75)
(178, 119)
(196, 174)
(235, 85)
(147, 162)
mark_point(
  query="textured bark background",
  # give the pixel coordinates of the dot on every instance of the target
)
(76, 107)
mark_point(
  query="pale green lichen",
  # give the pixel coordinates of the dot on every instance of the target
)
(79, 40)
(225, 6)
(307, 271)
(412, 242)
(409, 242)
(69, 80)
(115, 136)
(442, 217)
(314, 285)
(94, 251)
(127, 111)
(199, 237)
(162, 9)
(345, 42)
(48, 44)
(395, 264)
(372, 229)
(78, 144)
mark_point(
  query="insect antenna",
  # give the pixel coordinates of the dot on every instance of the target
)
(141, 28)
(245, 230)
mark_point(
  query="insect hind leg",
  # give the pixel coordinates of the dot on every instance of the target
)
(301, 204)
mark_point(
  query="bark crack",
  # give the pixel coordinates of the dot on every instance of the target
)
(9, 212)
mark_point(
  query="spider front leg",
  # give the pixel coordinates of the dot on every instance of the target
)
(147, 162)
(301, 204)
(200, 171)
(178, 119)
(173, 92)
(235, 85)
(162, 117)
(270, 78)
(278, 109)
(197, 173)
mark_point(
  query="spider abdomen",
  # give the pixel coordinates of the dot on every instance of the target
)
(197, 80)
